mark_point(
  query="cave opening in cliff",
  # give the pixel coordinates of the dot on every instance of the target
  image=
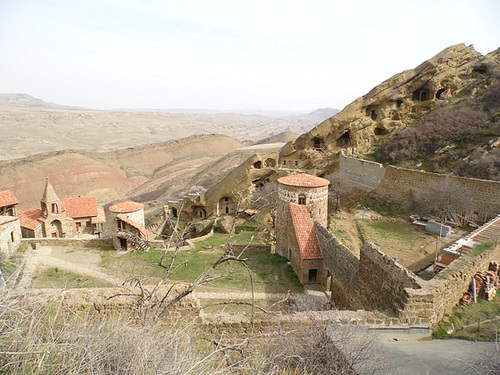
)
(399, 103)
(318, 143)
(344, 139)
(257, 165)
(420, 95)
(380, 131)
(439, 94)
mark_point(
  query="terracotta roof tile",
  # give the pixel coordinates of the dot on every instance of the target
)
(125, 207)
(7, 198)
(304, 230)
(303, 180)
(31, 218)
(80, 207)
(100, 218)
(137, 226)
(446, 258)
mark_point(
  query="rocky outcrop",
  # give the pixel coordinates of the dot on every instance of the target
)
(392, 105)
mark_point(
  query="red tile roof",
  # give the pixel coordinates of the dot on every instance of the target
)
(303, 180)
(304, 230)
(100, 218)
(31, 218)
(80, 207)
(7, 198)
(137, 226)
(446, 258)
(124, 207)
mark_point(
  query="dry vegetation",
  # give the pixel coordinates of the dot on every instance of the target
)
(462, 138)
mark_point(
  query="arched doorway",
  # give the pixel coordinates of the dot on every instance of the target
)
(55, 229)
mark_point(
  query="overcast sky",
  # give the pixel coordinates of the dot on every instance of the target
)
(215, 54)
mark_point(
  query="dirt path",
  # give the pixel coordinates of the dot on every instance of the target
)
(43, 257)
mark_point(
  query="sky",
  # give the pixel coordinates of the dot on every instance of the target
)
(226, 55)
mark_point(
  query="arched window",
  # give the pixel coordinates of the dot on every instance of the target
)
(55, 209)
(302, 199)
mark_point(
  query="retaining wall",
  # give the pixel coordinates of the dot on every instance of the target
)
(76, 242)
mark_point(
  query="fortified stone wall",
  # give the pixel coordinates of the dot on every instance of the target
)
(382, 281)
(364, 174)
(450, 285)
(399, 184)
(98, 301)
(340, 262)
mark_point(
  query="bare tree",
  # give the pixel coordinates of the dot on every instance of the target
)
(340, 186)
(150, 299)
(266, 197)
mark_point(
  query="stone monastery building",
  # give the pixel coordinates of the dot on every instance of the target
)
(69, 218)
(302, 200)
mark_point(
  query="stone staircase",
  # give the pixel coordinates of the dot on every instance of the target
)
(138, 244)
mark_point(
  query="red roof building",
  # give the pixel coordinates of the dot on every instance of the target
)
(80, 207)
(305, 233)
(8, 203)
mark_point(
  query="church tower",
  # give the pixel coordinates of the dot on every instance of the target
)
(50, 202)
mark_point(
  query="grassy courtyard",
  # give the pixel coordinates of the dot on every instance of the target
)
(268, 271)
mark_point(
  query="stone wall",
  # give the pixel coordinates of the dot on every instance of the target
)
(382, 281)
(97, 300)
(364, 174)
(450, 285)
(76, 242)
(399, 184)
(10, 234)
(338, 260)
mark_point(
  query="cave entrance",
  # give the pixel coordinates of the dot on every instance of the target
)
(318, 143)
(381, 131)
(313, 276)
(344, 139)
(421, 95)
(439, 94)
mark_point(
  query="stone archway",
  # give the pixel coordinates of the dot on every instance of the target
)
(55, 229)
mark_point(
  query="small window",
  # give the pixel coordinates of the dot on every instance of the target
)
(55, 209)
(12, 236)
(284, 163)
(296, 163)
(226, 199)
(302, 199)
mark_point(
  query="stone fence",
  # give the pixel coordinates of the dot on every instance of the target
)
(74, 242)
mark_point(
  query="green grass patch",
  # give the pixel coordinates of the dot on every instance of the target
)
(474, 322)
(54, 277)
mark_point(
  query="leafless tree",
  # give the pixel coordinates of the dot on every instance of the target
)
(266, 198)
(340, 186)
(150, 299)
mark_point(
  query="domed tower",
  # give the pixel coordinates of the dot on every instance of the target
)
(303, 190)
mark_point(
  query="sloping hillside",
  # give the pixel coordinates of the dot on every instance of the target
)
(135, 172)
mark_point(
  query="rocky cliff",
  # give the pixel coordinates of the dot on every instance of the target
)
(394, 104)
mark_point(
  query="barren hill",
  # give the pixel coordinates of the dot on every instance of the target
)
(30, 126)
(148, 171)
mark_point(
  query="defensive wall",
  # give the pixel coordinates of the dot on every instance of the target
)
(376, 282)
(399, 184)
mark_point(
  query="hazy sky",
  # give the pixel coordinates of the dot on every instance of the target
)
(215, 54)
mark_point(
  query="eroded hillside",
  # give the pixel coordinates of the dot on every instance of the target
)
(143, 173)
